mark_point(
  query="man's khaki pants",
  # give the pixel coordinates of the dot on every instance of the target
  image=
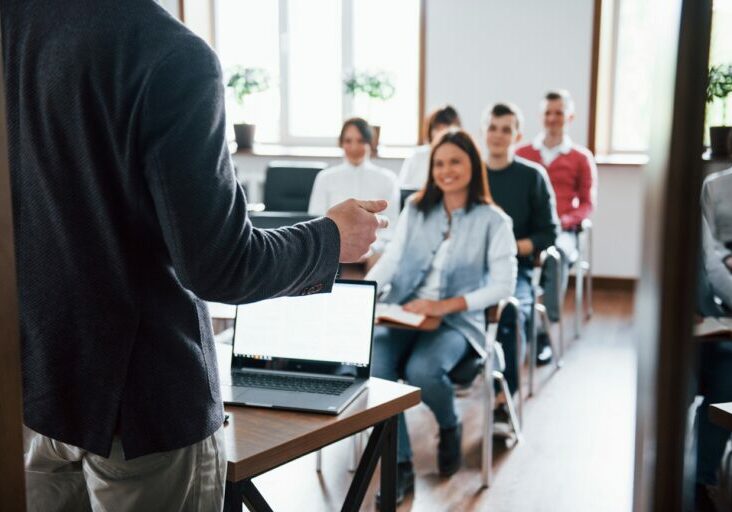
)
(61, 477)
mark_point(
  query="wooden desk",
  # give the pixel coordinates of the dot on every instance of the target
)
(258, 440)
(721, 414)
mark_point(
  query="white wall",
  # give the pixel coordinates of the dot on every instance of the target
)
(618, 222)
(483, 51)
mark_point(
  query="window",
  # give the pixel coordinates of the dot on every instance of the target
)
(307, 48)
(625, 77)
(625, 81)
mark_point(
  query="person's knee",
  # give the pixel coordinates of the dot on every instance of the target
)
(425, 376)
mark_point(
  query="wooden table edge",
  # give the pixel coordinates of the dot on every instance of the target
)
(297, 447)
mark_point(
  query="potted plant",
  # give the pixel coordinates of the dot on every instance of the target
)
(243, 82)
(376, 86)
(719, 86)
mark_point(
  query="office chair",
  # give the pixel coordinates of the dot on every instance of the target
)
(472, 366)
(404, 193)
(464, 375)
(288, 184)
(549, 261)
(583, 276)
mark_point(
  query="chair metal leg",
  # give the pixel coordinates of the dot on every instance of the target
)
(588, 287)
(515, 422)
(533, 349)
(519, 383)
(560, 301)
(486, 464)
(578, 296)
(587, 226)
(588, 273)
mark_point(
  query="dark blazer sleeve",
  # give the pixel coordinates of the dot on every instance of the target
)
(544, 220)
(201, 208)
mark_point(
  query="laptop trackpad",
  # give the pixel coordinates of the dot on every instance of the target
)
(280, 399)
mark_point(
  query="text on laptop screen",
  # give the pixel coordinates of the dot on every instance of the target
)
(335, 327)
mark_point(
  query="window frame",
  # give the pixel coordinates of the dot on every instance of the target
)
(347, 56)
(605, 35)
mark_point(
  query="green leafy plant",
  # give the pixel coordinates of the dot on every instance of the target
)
(719, 86)
(377, 85)
(245, 81)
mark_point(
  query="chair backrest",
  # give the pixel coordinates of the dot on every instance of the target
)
(272, 220)
(287, 185)
(471, 365)
(403, 195)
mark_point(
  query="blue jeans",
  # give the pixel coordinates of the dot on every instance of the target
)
(715, 384)
(507, 327)
(424, 359)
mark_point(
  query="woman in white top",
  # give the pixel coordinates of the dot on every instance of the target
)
(413, 174)
(356, 177)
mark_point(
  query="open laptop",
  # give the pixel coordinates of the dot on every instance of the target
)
(308, 353)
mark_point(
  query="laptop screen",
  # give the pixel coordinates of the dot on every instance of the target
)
(326, 332)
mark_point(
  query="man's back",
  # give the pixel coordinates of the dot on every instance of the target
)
(126, 212)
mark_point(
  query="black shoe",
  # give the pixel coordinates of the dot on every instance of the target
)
(449, 455)
(404, 483)
(501, 414)
(544, 353)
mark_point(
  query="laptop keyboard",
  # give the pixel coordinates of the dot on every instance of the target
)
(290, 383)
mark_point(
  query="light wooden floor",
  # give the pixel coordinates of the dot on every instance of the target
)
(577, 455)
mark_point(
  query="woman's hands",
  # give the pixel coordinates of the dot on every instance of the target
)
(436, 307)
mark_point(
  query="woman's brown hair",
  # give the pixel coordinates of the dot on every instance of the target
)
(361, 125)
(445, 115)
(478, 191)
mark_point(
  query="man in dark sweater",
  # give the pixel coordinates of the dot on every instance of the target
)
(523, 190)
(127, 217)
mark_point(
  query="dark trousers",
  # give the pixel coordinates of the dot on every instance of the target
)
(507, 327)
(715, 385)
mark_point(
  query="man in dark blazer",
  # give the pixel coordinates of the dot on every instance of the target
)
(127, 216)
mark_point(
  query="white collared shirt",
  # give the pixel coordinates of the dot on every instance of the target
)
(415, 168)
(364, 181)
(549, 154)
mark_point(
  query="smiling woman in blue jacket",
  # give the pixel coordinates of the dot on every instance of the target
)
(452, 255)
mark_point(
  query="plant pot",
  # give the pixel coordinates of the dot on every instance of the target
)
(718, 139)
(244, 135)
(375, 131)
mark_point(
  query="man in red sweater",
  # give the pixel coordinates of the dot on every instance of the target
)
(572, 172)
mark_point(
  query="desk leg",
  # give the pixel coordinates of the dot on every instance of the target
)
(389, 466)
(244, 492)
(382, 443)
